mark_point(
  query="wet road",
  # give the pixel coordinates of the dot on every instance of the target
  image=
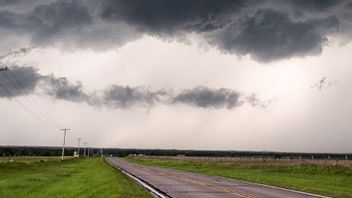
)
(173, 183)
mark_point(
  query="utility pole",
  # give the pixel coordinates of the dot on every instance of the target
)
(63, 145)
(85, 147)
(79, 143)
(88, 151)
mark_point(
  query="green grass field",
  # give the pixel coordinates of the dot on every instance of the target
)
(323, 179)
(50, 177)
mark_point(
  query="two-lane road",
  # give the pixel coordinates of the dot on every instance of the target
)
(175, 183)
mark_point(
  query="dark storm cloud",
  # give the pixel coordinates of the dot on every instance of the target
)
(270, 35)
(46, 22)
(19, 23)
(265, 30)
(8, 2)
(316, 5)
(349, 5)
(159, 16)
(208, 98)
(59, 16)
(240, 27)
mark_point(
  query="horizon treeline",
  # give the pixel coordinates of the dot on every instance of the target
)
(6, 151)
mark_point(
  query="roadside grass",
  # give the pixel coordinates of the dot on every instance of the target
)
(328, 180)
(49, 177)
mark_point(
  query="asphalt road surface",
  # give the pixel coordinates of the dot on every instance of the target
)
(174, 183)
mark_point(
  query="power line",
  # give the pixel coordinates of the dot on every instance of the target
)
(11, 95)
(52, 123)
(34, 102)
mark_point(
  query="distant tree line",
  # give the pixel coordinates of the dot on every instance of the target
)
(43, 151)
(119, 152)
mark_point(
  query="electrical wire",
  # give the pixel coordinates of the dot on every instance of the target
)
(34, 102)
(10, 96)
(51, 124)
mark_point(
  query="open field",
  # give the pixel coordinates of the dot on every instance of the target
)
(50, 177)
(321, 177)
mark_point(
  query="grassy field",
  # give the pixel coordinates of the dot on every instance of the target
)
(50, 177)
(320, 178)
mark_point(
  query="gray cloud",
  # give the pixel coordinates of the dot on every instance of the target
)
(206, 97)
(123, 97)
(323, 83)
(254, 101)
(266, 30)
(203, 97)
(61, 88)
(17, 53)
(117, 96)
(18, 81)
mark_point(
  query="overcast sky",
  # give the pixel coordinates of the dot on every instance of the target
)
(183, 74)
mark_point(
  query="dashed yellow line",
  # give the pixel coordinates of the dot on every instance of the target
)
(216, 187)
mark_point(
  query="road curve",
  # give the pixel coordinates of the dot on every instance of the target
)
(174, 183)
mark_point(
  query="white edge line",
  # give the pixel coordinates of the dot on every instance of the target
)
(248, 182)
(275, 187)
(290, 190)
(145, 185)
(254, 183)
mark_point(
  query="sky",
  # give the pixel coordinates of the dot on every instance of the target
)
(186, 74)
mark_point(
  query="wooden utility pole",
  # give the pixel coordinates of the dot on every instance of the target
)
(85, 147)
(79, 143)
(63, 145)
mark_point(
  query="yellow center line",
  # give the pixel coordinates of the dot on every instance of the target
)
(214, 186)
